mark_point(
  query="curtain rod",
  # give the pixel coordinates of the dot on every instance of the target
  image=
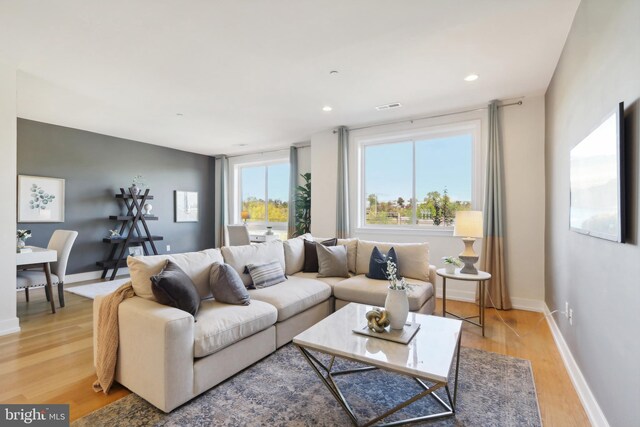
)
(430, 117)
(275, 150)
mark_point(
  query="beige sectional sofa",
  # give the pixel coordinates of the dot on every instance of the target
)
(167, 356)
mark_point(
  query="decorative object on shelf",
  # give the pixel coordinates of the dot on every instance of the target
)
(269, 231)
(147, 209)
(468, 225)
(40, 199)
(186, 206)
(136, 251)
(136, 184)
(397, 301)
(450, 264)
(303, 206)
(129, 233)
(377, 319)
(245, 215)
(21, 236)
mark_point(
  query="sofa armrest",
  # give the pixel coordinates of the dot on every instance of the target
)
(155, 353)
(433, 276)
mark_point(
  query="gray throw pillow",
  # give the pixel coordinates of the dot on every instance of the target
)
(226, 285)
(174, 288)
(332, 261)
(265, 275)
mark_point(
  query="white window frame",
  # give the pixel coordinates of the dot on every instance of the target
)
(236, 166)
(472, 126)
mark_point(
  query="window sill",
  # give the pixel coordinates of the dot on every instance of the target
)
(406, 231)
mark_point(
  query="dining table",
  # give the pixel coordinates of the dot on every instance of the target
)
(34, 257)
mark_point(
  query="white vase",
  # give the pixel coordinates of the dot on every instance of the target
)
(20, 244)
(397, 305)
(450, 268)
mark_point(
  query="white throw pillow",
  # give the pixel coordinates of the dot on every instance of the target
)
(413, 258)
(239, 257)
(352, 250)
(294, 254)
(141, 269)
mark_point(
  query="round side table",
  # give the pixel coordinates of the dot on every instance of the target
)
(481, 278)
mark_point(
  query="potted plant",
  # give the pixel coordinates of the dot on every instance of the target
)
(397, 302)
(303, 205)
(450, 264)
(136, 184)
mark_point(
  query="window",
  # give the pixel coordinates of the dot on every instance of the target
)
(419, 180)
(264, 194)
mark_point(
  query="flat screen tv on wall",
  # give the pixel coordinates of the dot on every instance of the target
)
(597, 180)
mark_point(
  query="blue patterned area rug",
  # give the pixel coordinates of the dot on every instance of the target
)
(282, 390)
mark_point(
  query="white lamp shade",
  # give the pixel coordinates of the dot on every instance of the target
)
(468, 224)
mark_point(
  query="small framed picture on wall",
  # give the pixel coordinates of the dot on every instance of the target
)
(40, 199)
(186, 206)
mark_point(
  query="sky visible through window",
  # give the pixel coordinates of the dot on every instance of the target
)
(440, 163)
(259, 182)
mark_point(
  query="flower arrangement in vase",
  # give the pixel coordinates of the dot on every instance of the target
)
(450, 264)
(397, 302)
(21, 236)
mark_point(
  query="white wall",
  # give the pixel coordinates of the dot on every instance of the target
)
(523, 139)
(8, 147)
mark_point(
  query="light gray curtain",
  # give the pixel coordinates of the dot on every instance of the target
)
(293, 185)
(222, 190)
(493, 253)
(342, 205)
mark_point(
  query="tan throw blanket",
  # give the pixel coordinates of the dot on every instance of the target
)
(108, 338)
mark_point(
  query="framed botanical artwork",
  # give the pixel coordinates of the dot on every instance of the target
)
(40, 199)
(186, 206)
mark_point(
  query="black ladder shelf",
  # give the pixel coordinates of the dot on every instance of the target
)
(129, 232)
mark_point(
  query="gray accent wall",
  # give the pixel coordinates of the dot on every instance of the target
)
(95, 166)
(599, 67)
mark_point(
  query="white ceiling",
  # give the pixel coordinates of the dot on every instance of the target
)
(257, 72)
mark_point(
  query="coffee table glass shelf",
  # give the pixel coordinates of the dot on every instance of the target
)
(428, 357)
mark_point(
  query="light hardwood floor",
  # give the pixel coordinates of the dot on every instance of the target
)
(51, 359)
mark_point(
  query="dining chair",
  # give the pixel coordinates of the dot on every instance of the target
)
(238, 235)
(61, 241)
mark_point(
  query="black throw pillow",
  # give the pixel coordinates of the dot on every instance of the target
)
(378, 263)
(311, 254)
(174, 288)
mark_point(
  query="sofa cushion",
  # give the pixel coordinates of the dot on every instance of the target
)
(174, 288)
(413, 258)
(352, 250)
(294, 254)
(226, 285)
(374, 292)
(378, 263)
(195, 264)
(239, 257)
(311, 254)
(265, 275)
(219, 325)
(331, 281)
(293, 296)
(332, 261)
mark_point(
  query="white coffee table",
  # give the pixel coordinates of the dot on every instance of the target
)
(428, 358)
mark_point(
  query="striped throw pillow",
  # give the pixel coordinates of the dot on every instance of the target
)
(265, 275)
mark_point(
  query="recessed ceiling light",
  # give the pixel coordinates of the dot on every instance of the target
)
(333, 72)
(471, 78)
(179, 114)
(241, 145)
(327, 108)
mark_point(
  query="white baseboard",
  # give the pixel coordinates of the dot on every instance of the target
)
(589, 402)
(91, 275)
(9, 326)
(470, 296)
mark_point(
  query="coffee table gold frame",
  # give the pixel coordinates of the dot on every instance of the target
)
(428, 390)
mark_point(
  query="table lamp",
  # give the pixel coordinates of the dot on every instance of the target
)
(245, 216)
(468, 225)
